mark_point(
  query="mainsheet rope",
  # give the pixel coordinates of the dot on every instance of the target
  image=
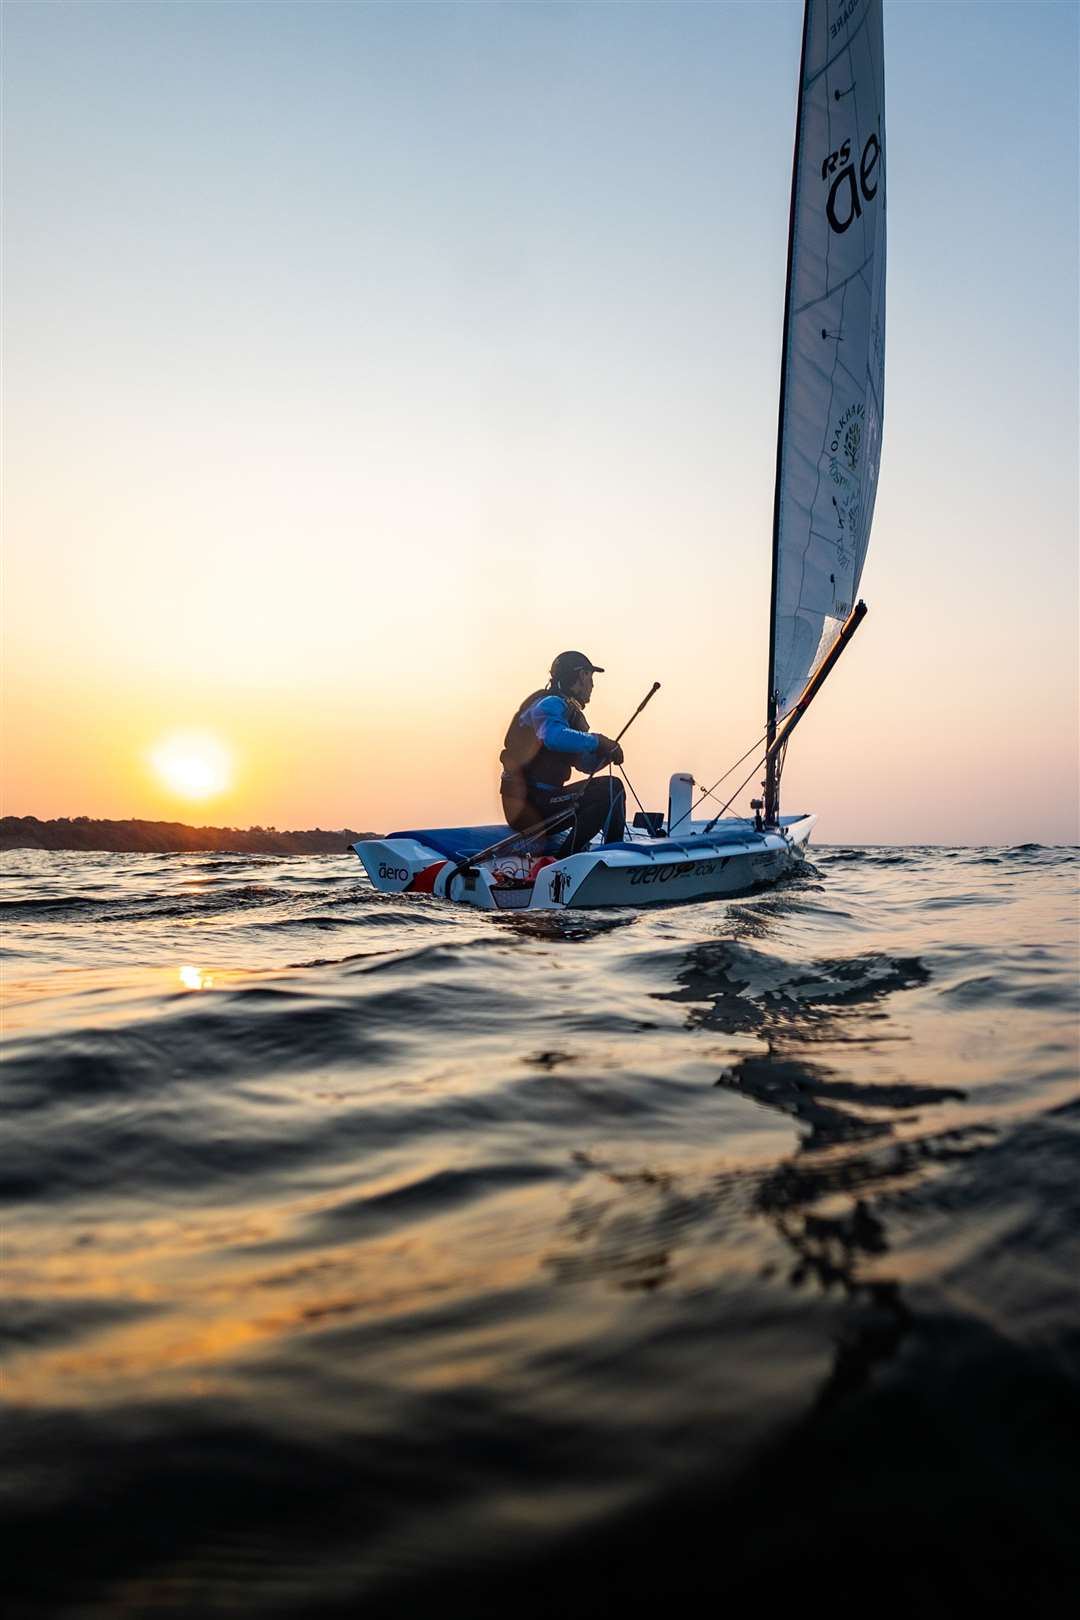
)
(637, 801)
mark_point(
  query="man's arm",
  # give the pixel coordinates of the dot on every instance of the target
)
(548, 719)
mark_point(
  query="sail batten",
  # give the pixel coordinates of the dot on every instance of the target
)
(832, 376)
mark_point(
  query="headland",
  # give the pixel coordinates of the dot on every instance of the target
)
(168, 837)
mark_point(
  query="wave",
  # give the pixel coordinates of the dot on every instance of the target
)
(46, 904)
(685, 1203)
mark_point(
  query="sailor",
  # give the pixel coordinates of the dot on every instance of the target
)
(547, 739)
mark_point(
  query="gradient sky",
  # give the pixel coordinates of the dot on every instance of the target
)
(358, 358)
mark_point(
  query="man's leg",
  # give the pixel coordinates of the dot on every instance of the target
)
(563, 803)
(601, 808)
(596, 805)
(519, 813)
(524, 814)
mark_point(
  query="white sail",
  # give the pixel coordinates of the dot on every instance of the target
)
(833, 376)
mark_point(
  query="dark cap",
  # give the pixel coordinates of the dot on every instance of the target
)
(568, 664)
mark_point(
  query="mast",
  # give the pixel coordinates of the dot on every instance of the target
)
(772, 768)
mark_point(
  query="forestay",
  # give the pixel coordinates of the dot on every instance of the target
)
(832, 385)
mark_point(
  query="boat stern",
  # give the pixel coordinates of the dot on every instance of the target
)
(395, 865)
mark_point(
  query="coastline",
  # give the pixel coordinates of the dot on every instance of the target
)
(135, 837)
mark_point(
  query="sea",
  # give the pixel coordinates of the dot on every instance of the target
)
(366, 1256)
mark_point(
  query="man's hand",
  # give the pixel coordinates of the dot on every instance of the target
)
(609, 753)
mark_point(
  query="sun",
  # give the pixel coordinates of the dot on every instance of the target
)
(192, 764)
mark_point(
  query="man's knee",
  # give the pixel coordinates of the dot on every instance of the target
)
(518, 812)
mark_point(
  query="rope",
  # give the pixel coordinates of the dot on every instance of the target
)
(637, 801)
(508, 844)
(710, 792)
(709, 825)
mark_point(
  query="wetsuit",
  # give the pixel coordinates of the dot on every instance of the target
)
(547, 739)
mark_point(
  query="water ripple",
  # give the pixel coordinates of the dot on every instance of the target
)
(368, 1254)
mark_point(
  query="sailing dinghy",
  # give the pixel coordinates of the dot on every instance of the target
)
(827, 457)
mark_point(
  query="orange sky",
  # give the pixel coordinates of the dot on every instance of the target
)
(329, 418)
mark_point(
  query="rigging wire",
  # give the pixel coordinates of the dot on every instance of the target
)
(709, 825)
(710, 792)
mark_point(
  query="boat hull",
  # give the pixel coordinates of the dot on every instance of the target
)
(649, 872)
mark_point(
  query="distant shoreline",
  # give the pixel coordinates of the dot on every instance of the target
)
(168, 837)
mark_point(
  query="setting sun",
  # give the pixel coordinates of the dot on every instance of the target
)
(192, 765)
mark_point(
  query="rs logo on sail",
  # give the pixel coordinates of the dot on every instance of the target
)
(847, 194)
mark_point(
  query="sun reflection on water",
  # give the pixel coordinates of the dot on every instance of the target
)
(193, 978)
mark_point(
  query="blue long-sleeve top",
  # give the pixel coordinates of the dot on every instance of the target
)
(547, 717)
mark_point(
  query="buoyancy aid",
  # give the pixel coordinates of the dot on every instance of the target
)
(524, 755)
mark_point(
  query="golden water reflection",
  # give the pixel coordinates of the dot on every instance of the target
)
(158, 1304)
(193, 978)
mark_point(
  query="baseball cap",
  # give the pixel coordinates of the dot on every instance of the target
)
(568, 663)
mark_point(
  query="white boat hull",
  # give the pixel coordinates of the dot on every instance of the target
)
(695, 865)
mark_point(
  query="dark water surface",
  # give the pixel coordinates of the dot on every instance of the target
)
(370, 1257)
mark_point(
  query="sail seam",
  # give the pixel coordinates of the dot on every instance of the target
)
(831, 292)
(855, 32)
(856, 382)
(818, 612)
(831, 540)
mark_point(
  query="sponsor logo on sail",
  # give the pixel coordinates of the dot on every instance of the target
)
(845, 446)
(847, 437)
(841, 22)
(850, 190)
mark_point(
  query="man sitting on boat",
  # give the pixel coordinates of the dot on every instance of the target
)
(547, 739)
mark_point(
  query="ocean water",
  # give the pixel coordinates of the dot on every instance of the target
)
(365, 1256)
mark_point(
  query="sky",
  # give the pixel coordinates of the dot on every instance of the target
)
(359, 358)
